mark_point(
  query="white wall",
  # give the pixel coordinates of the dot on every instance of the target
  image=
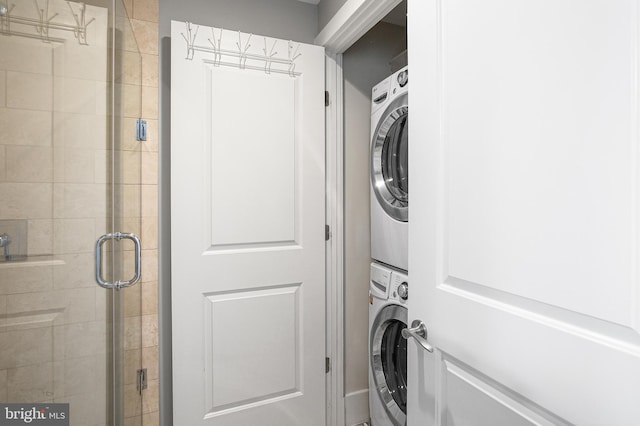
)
(365, 64)
(285, 19)
(326, 10)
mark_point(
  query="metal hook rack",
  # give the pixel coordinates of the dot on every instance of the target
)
(44, 23)
(242, 53)
(293, 55)
(217, 57)
(269, 56)
(190, 38)
(246, 59)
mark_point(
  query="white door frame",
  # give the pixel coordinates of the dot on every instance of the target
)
(335, 246)
(349, 24)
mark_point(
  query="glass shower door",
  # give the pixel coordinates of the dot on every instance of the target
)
(126, 309)
(69, 173)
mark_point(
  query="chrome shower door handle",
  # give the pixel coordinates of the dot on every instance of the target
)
(138, 257)
(419, 332)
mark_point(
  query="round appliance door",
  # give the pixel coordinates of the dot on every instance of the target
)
(390, 160)
(389, 361)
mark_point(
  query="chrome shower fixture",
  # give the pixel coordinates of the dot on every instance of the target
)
(5, 240)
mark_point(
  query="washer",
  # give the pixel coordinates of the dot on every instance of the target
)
(387, 348)
(389, 170)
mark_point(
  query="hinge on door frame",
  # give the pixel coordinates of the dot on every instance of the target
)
(327, 232)
(141, 380)
(327, 365)
(326, 98)
(141, 130)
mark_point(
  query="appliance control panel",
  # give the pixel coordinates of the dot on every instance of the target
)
(380, 278)
(399, 289)
(380, 91)
(399, 82)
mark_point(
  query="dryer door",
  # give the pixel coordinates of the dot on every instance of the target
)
(390, 160)
(389, 361)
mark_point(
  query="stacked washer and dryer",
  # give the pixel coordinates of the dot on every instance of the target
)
(389, 283)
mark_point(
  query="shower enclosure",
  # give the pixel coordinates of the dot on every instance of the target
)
(70, 99)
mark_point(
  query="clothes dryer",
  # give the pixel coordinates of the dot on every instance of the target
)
(388, 296)
(390, 170)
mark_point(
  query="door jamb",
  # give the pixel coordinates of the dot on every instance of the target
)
(335, 246)
(349, 24)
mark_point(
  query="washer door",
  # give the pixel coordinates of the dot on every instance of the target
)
(389, 361)
(390, 160)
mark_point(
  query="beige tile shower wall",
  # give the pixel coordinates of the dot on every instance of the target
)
(53, 139)
(145, 26)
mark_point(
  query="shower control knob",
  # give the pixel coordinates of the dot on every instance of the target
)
(403, 291)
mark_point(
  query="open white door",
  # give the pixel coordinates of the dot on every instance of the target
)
(524, 212)
(247, 237)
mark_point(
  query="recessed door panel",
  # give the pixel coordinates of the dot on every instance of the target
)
(253, 157)
(268, 359)
(543, 179)
(470, 399)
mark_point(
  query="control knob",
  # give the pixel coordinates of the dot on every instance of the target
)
(403, 291)
(403, 78)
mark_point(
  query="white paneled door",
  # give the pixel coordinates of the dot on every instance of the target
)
(524, 212)
(247, 229)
